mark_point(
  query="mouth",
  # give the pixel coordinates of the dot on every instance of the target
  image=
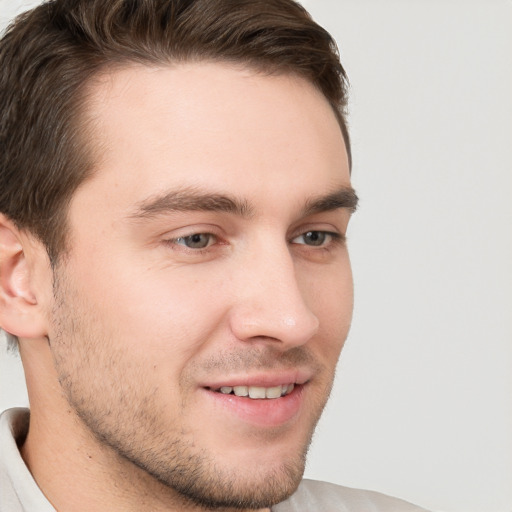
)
(261, 400)
(256, 392)
(259, 406)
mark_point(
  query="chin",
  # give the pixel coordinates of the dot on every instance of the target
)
(242, 479)
(260, 487)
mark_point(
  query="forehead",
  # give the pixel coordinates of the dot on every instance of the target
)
(212, 124)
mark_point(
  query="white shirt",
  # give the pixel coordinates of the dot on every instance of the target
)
(20, 493)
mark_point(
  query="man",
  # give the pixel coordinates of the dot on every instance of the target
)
(174, 197)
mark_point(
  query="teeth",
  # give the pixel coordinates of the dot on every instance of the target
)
(241, 390)
(257, 392)
(274, 392)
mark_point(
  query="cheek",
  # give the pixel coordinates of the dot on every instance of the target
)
(331, 298)
(328, 290)
(166, 313)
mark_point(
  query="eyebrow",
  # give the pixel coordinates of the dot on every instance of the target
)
(193, 199)
(344, 197)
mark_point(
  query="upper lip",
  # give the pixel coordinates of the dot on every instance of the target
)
(262, 379)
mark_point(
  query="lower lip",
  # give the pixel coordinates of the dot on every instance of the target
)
(270, 412)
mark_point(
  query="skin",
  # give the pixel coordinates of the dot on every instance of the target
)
(124, 339)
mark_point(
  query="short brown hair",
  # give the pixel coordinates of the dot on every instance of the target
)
(49, 54)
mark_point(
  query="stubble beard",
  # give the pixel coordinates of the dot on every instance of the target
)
(128, 425)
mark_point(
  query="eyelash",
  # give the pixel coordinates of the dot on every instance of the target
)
(333, 239)
(210, 235)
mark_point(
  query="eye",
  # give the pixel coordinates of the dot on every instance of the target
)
(196, 241)
(315, 238)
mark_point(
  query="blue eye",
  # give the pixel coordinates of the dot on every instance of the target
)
(314, 238)
(196, 241)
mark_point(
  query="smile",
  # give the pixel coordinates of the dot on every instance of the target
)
(257, 392)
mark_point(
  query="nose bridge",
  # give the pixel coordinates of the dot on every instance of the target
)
(270, 303)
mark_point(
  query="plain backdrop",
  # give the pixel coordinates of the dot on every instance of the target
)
(421, 407)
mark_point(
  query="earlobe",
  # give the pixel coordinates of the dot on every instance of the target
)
(20, 312)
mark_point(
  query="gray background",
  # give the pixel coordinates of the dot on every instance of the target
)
(422, 406)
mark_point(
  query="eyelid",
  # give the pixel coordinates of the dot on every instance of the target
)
(192, 229)
(211, 240)
(172, 238)
(330, 227)
(333, 235)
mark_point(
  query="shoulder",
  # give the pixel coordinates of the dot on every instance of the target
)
(18, 490)
(315, 495)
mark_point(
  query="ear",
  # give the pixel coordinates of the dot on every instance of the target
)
(20, 311)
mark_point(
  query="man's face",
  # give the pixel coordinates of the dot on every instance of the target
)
(207, 262)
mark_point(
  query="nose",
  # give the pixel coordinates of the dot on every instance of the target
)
(270, 305)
